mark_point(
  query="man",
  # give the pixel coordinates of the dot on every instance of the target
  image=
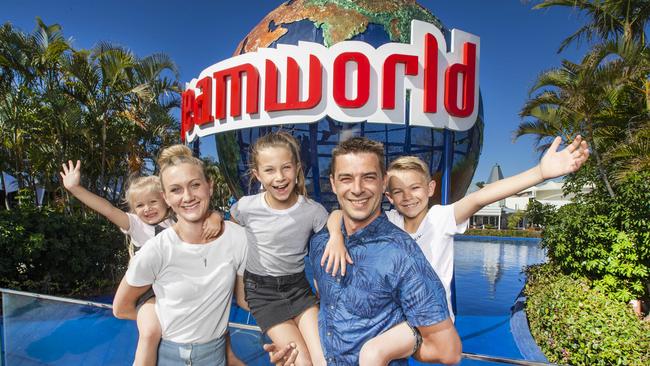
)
(391, 280)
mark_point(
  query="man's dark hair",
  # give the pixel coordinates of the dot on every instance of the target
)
(358, 145)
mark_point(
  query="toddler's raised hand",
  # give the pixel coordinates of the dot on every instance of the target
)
(71, 174)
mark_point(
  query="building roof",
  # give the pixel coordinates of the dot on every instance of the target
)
(495, 174)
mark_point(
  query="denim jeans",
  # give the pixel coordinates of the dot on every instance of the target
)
(212, 353)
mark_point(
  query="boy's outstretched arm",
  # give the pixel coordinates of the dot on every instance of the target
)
(554, 164)
(71, 176)
(335, 254)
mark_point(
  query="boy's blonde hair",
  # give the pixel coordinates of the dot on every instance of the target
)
(138, 185)
(410, 163)
(176, 155)
(285, 140)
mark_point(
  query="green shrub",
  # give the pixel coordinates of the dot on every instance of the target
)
(577, 325)
(508, 233)
(45, 251)
(607, 240)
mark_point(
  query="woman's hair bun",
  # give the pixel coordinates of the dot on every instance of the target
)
(175, 151)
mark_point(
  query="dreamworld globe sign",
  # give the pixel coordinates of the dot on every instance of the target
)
(325, 71)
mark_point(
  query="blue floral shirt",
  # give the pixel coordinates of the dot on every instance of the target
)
(389, 282)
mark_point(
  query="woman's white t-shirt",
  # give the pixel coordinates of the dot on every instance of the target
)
(193, 283)
(435, 237)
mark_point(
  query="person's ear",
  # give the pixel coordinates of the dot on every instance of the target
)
(332, 184)
(432, 188)
(389, 197)
(256, 175)
(164, 196)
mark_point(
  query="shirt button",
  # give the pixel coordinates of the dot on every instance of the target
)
(332, 307)
(338, 280)
(329, 334)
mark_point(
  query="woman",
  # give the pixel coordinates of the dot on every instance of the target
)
(193, 278)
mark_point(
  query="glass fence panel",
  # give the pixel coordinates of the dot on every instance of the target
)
(46, 332)
(38, 331)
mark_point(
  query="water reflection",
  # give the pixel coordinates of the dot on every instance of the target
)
(488, 275)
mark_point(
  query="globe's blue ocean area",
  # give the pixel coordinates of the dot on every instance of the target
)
(488, 280)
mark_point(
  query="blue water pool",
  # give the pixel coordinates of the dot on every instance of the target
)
(48, 332)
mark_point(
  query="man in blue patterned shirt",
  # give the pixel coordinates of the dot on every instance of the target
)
(390, 281)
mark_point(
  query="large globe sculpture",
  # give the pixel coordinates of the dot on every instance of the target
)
(327, 22)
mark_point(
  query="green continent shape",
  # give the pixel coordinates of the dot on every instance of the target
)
(400, 32)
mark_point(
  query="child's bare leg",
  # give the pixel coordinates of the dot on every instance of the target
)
(393, 344)
(149, 329)
(288, 332)
(308, 325)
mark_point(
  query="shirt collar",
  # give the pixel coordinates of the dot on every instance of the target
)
(368, 231)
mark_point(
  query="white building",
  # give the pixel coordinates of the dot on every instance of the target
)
(495, 214)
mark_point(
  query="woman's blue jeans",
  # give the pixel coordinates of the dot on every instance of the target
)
(212, 353)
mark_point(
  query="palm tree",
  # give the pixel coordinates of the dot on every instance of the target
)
(609, 19)
(567, 101)
(105, 105)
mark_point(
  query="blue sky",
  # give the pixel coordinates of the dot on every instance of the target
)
(517, 43)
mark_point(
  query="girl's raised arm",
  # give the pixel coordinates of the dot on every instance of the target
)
(71, 176)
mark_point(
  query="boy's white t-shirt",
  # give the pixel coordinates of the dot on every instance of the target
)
(193, 283)
(435, 237)
(140, 231)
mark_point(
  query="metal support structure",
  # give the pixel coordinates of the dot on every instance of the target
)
(445, 193)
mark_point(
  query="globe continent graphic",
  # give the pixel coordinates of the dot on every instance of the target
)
(327, 22)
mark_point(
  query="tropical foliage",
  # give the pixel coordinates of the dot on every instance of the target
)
(47, 251)
(598, 246)
(606, 240)
(575, 324)
(606, 98)
(104, 105)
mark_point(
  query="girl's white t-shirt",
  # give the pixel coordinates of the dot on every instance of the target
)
(140, 231)
(278, 239)
(435, 237)
(193, 283)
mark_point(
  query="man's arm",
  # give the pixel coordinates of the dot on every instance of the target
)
(554, 164)
(440, 344)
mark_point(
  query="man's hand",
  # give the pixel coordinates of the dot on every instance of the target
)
(282, 357)
(558, 163)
